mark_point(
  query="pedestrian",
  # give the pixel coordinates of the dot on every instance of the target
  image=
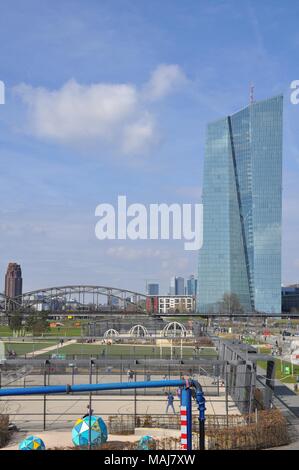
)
(130, 375)
(170, 400)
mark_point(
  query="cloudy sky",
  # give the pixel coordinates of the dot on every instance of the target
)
(111, 97)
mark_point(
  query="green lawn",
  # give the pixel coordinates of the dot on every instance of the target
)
(115, 350)
(5, 331)
(64, 331)
(26, 347)
(281, 374)
(61, 332)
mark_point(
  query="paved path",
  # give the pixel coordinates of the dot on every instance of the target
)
(63, 410)
(50, 348)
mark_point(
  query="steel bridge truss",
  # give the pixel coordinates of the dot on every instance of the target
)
(77, 298)
(8, 304)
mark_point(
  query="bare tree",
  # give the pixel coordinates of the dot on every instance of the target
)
(230, 304)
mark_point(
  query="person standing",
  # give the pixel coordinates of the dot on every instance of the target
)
(130, 374)
(170, 400)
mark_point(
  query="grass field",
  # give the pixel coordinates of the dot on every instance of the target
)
(64, 331)
(130, 351)
(27, 347)
(5, 331)
(60, 332)
(281, 375)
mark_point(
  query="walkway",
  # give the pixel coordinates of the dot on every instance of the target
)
(50, 348)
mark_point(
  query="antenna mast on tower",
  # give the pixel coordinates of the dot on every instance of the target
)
(251, 96)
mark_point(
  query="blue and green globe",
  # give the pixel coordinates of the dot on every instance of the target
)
(146, 443)
(80, 432)
(32, 443)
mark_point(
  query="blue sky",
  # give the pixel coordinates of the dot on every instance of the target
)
(167, 67)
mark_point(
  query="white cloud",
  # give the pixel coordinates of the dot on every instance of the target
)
(78, 111)
(140, 135)
(114, 114)
(164, 80)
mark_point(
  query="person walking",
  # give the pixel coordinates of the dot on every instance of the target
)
(170, 400)
(130, 374)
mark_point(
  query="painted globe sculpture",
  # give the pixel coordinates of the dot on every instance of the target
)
(146, 443)
(32, 443)
(80, 432)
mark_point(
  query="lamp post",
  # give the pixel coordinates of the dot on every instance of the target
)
(90, 402)
(46, 364)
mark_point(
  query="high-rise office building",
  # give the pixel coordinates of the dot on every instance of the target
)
(177, 286)
(152, 289)
(242, 186)
(13, 280)
(172, 286)
(191, 287)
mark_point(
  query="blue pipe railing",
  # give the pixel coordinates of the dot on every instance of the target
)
(56, 389)
(52, 389)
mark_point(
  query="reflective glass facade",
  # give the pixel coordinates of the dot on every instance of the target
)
(242, 187)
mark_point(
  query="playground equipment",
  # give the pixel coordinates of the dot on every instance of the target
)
(146, 443)
(32, 443)
(138, 331)
(190, 388)
(89, 430)
(174, 329)
(111, 333)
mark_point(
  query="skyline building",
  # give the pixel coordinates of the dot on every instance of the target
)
(177, 286)
(180, 286)
(191, 288)
(13, 280)
(172, 286)
(242, 192)
(152, 289)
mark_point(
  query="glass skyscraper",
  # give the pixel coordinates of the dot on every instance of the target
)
(177, 286)
(191, 286)
(242, 189)
(152, 289)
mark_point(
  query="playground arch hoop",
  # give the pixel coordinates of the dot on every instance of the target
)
(174, 329)
(111, 333)
(138, 331)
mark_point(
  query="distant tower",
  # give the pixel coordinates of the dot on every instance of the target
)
(13, 280)
(251, 96)
(152, 289)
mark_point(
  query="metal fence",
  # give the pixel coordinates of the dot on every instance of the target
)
(48, 412)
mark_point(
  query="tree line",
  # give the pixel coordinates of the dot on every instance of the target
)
(21, 322)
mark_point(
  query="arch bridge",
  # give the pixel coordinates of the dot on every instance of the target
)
(6, 303)
(77, 298)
